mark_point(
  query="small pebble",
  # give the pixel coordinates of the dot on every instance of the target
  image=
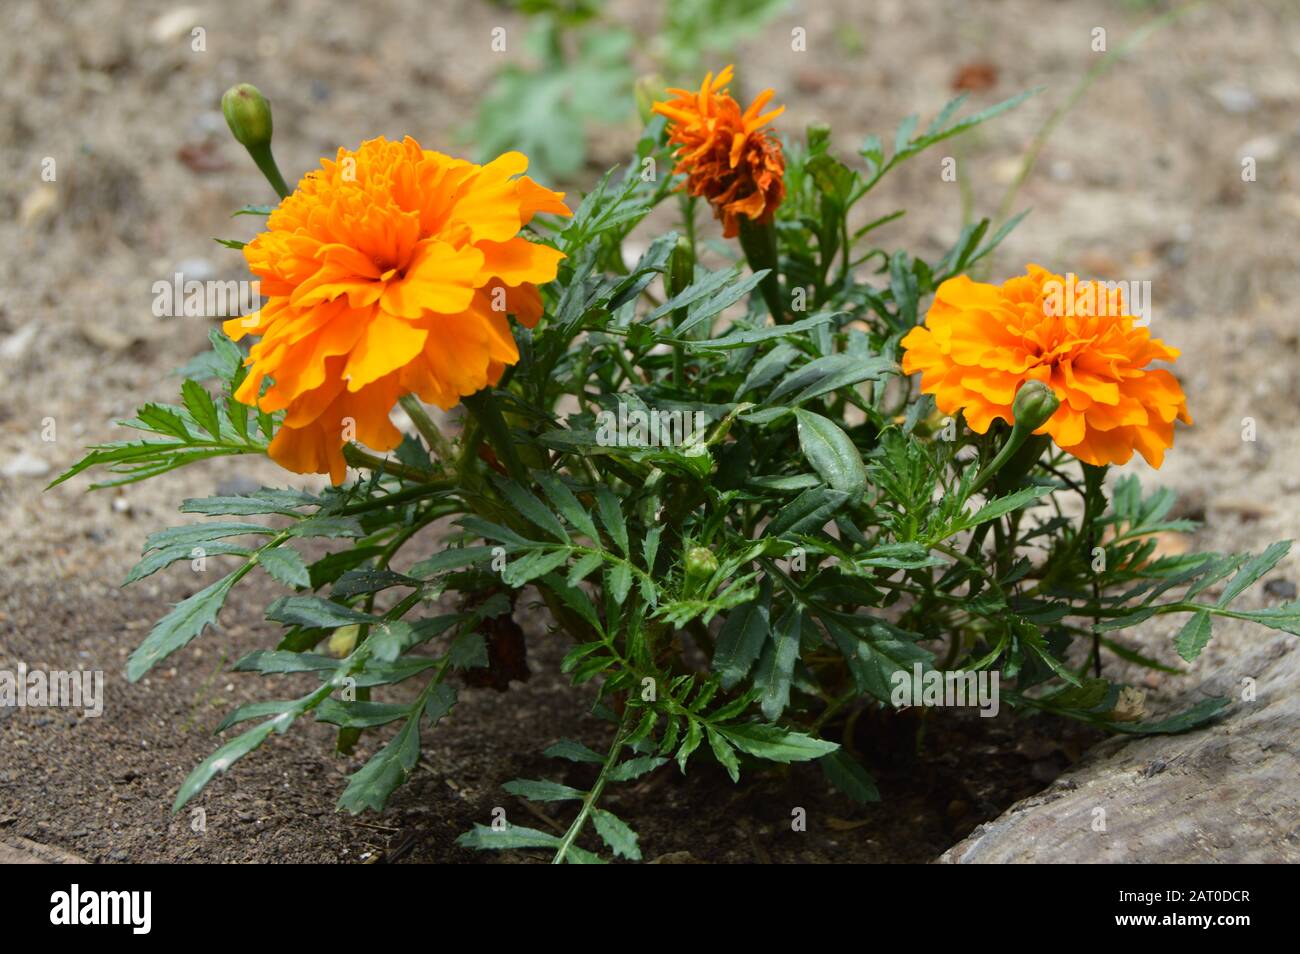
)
(25, 465)
(1282, 589)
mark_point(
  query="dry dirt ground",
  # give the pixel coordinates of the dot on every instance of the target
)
(1141, 181)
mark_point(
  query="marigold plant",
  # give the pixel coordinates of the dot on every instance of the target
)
(752, 494)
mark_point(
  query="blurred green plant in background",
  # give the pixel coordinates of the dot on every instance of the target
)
(582, 73)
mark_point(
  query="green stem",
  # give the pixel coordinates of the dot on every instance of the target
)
(1093, 478)
(266, 163)
(973, 565)
(759, 244)
(357, 457)
(625, 365)
(954, 649)
(1017, 438)
(431, 489)
(419, 415)
(688, 218)
(589, 802)
(471, 438)
(834, 706)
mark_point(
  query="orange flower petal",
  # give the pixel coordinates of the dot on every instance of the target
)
(376, 273)
(727, 157)
(981, 342)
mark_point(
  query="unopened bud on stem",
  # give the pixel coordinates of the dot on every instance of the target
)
(1034, 405)
(700, 563)
(248, 114)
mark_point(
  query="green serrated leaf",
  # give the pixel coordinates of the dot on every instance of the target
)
(776, 670)
(568, 505)
(1252, 570)
(266, 500)
(723, 752)
(315, 612)
(584, 568)
(847, 774)
(532, 565)
(1194, 636)
(323, 526)
(621, 839)
(999, 508)
(360, 714)
(256, 710)
(221, 760)
(690, 743)
(286, 565)
(635, 768)
(508, 838)
(156, 560)
(824, 375)
(453, 558)
(197, 534)
(810, 511)
(533, 510)
(201, 407)
(370, 786)
(611, 516)
(741, 639)
(776, 743)
(574, 752)
(542, 790)
(281, 660)
(186, 620)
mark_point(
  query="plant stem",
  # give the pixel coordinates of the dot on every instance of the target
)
(419, 416)
(688, 217)
(357, 457)
(1093, 478)
(759, 244)
(589, 802)
(432, 488)
(266, 163)
(1017, 437)
(834, 706)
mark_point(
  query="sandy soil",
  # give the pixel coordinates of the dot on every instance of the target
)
(1142, 181)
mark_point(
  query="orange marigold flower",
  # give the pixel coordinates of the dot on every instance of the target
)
(727, 155)
(389, 271)
(981, 342)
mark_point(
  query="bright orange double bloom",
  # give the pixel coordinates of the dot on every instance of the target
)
(389, 271)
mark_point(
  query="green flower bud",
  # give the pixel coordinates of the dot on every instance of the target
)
(248, 114)
(1034, 405)
(700, 563)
